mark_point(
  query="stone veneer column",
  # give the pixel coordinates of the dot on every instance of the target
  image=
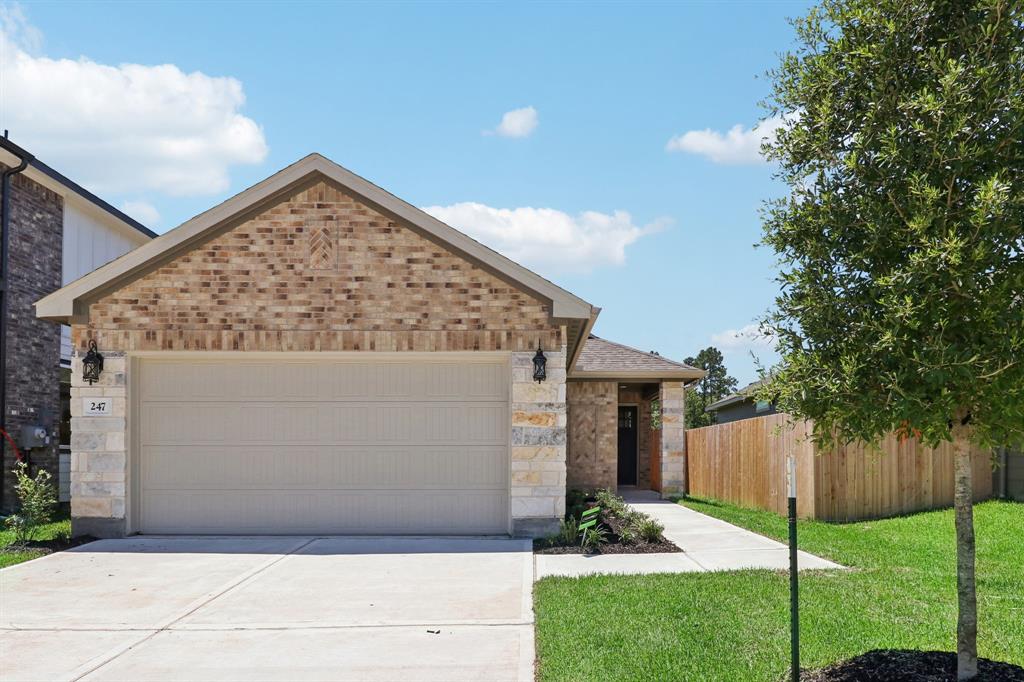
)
(99, 464)
(538, 445)
(673, 439)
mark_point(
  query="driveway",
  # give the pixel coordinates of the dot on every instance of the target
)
(271, 608)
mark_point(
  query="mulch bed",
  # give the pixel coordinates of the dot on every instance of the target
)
(900, 665)
(49, 546)
(613, 546)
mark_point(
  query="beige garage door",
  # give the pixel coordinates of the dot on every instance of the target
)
(391, 445)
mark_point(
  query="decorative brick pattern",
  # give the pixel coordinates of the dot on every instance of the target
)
(593, 434)
(253, 288)
(538, 445)
(673, 439)
(33, 345)
(321, 246)
(99, 455)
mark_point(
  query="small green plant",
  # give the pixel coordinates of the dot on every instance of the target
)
(37, 498)
(594, 537)
(650, 530)
(568, 531)
(612, 502)
(628, 536)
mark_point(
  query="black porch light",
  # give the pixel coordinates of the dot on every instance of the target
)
(539, 363)
(92, 365)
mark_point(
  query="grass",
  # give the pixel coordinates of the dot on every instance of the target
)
(901, 593)
(9, 556)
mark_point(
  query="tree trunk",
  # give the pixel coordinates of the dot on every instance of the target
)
(963, 504)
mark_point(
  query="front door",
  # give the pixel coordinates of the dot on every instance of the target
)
(627, 444)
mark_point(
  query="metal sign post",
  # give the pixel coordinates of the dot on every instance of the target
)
(794, 588)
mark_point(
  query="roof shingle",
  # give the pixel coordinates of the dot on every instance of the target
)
(600, 355)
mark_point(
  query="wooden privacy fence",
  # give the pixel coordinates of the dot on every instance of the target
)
(744, 462)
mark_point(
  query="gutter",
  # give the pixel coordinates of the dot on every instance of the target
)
(5, 218)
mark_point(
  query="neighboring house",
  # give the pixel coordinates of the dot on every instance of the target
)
(315, 355)
(740, 405)
(55, 232)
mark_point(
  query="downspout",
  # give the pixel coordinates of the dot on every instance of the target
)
(5, 211)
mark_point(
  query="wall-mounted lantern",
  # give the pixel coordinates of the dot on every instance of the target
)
(539, 363)
(92, 365)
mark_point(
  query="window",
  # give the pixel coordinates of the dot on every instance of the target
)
(762, 406)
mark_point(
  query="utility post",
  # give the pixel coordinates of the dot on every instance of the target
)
(794, 587)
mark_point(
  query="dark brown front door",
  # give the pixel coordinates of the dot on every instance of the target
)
(627, 444)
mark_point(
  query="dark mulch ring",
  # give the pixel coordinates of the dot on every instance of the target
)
(50, 546)
(614, 545)
(901, 665)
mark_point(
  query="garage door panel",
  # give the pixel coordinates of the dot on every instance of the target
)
(211, 423)
(379, 446)
(271, 468)
(356, 512)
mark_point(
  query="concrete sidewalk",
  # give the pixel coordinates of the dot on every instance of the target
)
(151, 609)
(708, 544)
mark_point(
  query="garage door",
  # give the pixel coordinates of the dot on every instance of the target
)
(381, 446)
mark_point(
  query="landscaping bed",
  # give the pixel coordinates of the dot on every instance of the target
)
(619, 529)
(54, 536)
(890, 665)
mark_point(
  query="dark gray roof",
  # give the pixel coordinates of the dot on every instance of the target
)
(600, 355)
(737, 397)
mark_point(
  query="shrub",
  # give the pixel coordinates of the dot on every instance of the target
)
(628, 535)
(37, 499)
(612, 502)
(594, 537)
(650, 530)
(568, 532)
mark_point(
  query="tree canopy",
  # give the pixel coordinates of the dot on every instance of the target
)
(715, 385)
(901, 241)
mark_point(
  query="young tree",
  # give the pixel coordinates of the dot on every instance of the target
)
(901, 240)
(715, 385)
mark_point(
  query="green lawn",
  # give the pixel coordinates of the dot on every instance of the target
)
(59, 528)
(734, 626)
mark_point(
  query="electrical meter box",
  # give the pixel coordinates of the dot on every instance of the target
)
(33, 436)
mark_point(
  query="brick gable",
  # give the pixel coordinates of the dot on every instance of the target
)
(319, 271)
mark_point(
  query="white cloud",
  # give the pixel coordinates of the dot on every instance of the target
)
(547, 239)
(142, 211)
(738, 146)
(749, 338)
(517, 123)
(126, 127)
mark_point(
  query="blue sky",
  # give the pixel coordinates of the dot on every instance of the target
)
(167, 109)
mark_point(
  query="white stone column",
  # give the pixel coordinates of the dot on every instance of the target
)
(538, 445)
(99, 454)
(673, 439)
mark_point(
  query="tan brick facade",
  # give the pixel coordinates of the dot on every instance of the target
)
(593, 457)
(268, 284)
(321, 272)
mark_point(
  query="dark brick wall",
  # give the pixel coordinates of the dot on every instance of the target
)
(33, 346)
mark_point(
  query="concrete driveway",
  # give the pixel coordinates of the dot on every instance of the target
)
(271, 608)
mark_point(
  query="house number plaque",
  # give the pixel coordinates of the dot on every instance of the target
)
(95, 407)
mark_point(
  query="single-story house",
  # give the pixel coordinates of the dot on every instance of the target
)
(54, 232)
(315, 355)
(743, 404)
